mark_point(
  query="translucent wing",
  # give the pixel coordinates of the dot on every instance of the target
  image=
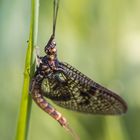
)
(71, 89)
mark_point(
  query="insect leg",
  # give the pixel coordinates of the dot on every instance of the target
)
(37, 56)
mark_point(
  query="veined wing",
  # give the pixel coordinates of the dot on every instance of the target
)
(79, 93)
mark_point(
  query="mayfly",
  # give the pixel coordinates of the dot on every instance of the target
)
(68, 87)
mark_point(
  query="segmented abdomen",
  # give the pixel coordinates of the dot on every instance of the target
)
(44, 105)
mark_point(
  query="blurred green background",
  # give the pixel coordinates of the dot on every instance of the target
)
(101, 38)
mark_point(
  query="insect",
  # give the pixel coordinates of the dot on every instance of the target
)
(68, 87)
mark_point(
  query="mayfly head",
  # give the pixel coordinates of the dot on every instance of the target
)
(50, 49)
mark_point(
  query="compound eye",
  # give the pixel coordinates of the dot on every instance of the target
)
(53, 50)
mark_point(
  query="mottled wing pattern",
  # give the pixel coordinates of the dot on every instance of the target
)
(56, 88)
(75, 91)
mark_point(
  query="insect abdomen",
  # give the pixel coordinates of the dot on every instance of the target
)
(44, 105)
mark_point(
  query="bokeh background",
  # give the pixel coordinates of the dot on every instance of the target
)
(101, 38)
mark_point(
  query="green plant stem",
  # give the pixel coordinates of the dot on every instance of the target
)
(25, 107)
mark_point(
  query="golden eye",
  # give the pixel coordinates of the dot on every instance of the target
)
(54, 50)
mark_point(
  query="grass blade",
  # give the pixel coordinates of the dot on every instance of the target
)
(25, 107)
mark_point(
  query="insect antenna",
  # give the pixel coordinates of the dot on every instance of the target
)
(51, 43)
(55, 13)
